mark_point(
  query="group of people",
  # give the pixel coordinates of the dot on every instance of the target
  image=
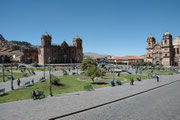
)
(112, 83)
(35, 94)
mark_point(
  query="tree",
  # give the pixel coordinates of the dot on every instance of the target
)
(92, 72)
(87, 63)
(90, 67)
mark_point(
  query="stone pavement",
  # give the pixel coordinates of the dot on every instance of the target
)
(62, 104)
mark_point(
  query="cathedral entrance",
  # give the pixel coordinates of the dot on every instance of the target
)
(65, 58)
(157, 62)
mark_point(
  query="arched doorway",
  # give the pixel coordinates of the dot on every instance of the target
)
(157, 62)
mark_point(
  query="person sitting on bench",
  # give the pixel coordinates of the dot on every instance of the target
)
(112, 83)
(139, 79)
(34, 96)
(118, 82)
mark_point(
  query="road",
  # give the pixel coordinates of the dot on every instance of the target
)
(160, 104)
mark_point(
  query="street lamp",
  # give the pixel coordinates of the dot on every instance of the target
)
(77, 69)
(44, 70)
(50, 87)
(3, 68)
(12, 88)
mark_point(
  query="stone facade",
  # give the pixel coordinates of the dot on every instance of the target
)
(165, 52)
(30, 56)
(63, 53)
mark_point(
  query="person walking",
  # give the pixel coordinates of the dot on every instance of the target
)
(32, 81)
(157, 78)
(18, 82)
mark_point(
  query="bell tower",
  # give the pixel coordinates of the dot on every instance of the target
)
(46, 40)
(77, 42)
(150, 44)
(151, 41)
(167, 48)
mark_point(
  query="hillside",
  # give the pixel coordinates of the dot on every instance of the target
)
(91, 54)
(16, 45)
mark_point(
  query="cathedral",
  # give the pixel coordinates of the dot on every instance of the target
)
(64, 53)
(167, 52)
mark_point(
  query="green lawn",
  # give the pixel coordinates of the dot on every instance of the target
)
(158, 71)
(16, 75)
(69, 84)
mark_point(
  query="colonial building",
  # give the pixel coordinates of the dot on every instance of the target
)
(63, 53)
(166, 52)
(176, 44)
(126, 59)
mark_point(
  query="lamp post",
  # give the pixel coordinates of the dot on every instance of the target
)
(12, 88)
(44, 65)
(44, 70)
(50, 87)
(77, 69)
(3, 68)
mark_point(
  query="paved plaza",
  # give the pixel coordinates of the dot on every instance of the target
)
(58, 105)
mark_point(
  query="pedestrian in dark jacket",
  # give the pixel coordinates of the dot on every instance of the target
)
(157, 78)
(18, 82)
(32, 81)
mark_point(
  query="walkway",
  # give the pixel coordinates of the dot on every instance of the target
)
(62, 104)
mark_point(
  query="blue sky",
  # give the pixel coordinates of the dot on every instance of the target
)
(115, 27)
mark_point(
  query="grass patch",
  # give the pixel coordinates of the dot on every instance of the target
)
(68, 84)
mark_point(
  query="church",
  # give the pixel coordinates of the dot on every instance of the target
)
(166, 52)
(64, 53)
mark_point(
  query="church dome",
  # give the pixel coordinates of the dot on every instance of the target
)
(77, 38)
(46, 35)
(167, 33)
(177, 41)
(151, 36)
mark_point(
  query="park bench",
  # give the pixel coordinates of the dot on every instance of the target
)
(88, 88)
(25, 75)
(10, 77)
(27, 84)
(33, 72)
(154, 76)
(2, 91)
(40, 95)
(170, 73)
(74, 73)
(7, 70)
(42, 80)
(65, 73)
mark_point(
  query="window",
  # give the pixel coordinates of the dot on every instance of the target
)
(165, 41)
(149, 55)
(166, 55)
(149, 44)
(177, 50)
